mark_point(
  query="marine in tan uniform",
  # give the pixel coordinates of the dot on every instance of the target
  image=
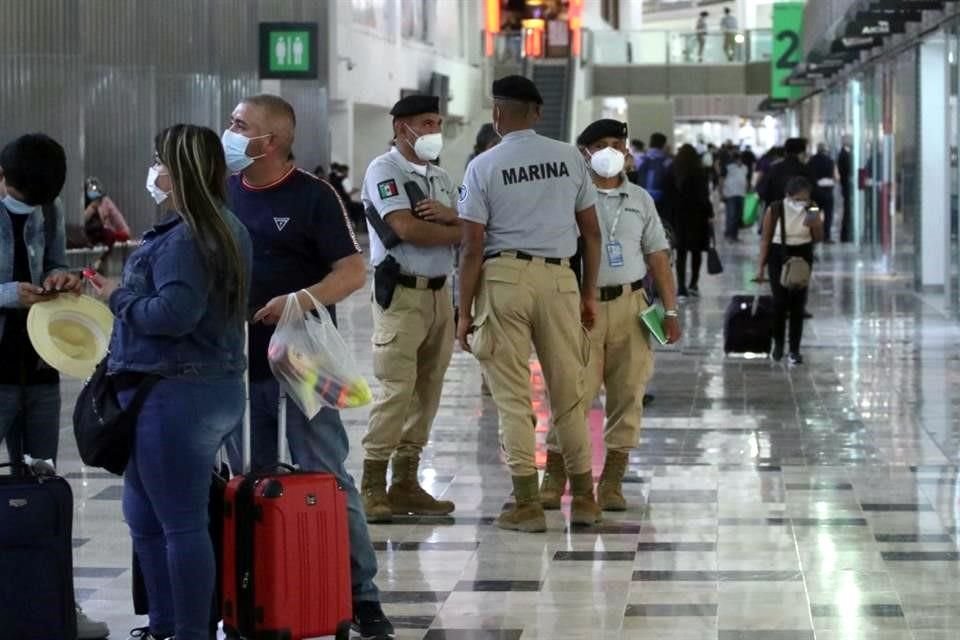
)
(522, 205)
(621, 359)
(413, 323)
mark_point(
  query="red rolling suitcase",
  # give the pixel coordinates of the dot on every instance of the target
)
(286, 565)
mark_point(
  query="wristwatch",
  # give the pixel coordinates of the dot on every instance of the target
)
(671, 313)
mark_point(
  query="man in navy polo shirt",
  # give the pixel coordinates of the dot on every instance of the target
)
(302, 239)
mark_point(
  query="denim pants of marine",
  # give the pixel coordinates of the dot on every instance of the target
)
(166, 495)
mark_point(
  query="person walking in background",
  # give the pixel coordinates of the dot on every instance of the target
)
(750, 161)
(180, 309)
(652, 169)
(793, 164)
(687, 202)
(734, 188)
(701, 31)
(790, 229)
(730, 29)
(823, 174)
(844, 168)
(637, 149)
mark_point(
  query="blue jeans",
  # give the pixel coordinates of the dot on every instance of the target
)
(166, 494)
(30, 420)
(734, 216)
(320, 445)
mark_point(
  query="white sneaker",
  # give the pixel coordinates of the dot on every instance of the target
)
(88, 629)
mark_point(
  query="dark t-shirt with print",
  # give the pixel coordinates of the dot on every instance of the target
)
(299, 229)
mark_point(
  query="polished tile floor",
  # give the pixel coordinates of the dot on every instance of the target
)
(768, 503)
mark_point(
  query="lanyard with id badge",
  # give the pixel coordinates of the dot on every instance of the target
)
(614, 248)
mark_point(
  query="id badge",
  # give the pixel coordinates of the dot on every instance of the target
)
(614, 254)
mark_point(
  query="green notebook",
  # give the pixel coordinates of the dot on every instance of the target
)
(652, 318)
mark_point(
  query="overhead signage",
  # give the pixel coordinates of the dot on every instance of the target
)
(288, 50)
(787, 48)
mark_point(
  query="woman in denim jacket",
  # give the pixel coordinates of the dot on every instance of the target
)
(180, 310)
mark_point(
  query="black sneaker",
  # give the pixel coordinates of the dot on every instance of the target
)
(795, 359)
(694, 292)
(371, 622)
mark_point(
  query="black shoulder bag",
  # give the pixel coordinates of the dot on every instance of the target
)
(105, 430)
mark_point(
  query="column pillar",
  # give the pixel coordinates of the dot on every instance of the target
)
(934, 249)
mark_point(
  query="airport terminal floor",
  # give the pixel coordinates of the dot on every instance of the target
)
(767, 503)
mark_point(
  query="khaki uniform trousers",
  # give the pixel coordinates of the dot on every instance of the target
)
(621, 360)
(412, 347)
(520, 302)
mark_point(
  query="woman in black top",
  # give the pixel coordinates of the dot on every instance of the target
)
(688, 208)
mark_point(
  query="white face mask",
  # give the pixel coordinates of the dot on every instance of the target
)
(608, 162)
(428, 146)
(16, 206)
(158, 194)
(235, 150)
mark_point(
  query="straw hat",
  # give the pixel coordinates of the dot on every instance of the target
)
(71, 333)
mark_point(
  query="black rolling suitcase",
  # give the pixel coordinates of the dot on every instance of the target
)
(748, 325)
(36, 557)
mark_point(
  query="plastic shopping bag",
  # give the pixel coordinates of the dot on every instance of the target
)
(751, 209)
(311, 361)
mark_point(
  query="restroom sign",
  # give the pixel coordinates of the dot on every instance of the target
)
(288, 50)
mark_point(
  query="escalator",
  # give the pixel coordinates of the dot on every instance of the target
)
(554, 79)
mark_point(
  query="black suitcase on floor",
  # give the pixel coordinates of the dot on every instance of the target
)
(36, 558)
(748, 325)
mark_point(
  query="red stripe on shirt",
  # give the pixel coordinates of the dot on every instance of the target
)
(272, 185)
(343, 208)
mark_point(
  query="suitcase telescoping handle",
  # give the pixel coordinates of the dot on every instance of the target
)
(283, 455)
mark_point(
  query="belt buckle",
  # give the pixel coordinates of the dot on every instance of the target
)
(422, 282)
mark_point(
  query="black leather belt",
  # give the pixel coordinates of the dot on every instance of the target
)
(615, 291)
(421, 282)
(520, 255)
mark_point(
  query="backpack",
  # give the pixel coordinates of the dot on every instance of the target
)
(651, 176)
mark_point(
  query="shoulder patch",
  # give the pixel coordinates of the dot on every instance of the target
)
(387, 189)
(462, 193)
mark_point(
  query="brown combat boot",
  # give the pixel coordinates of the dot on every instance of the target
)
(583, 509)
(373, 490)
(407, 496)
(554, 481)
(527, 515)
(610, 489)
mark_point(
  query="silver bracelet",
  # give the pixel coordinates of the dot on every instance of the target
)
(671, 313)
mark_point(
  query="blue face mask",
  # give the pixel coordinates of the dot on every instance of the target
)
(15, 206)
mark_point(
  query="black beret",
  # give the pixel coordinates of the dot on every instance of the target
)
(415, 105)
(795, 146)
(606, 128)
(516, 88)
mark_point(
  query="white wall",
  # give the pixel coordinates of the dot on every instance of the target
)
(382, 63)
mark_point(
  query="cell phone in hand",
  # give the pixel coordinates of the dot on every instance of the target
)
(416, 195)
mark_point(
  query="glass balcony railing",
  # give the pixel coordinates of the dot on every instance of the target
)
(678, 47)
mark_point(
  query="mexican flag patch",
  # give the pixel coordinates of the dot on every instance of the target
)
(388, 189)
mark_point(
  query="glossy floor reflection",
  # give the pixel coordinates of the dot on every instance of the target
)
(768, 503)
